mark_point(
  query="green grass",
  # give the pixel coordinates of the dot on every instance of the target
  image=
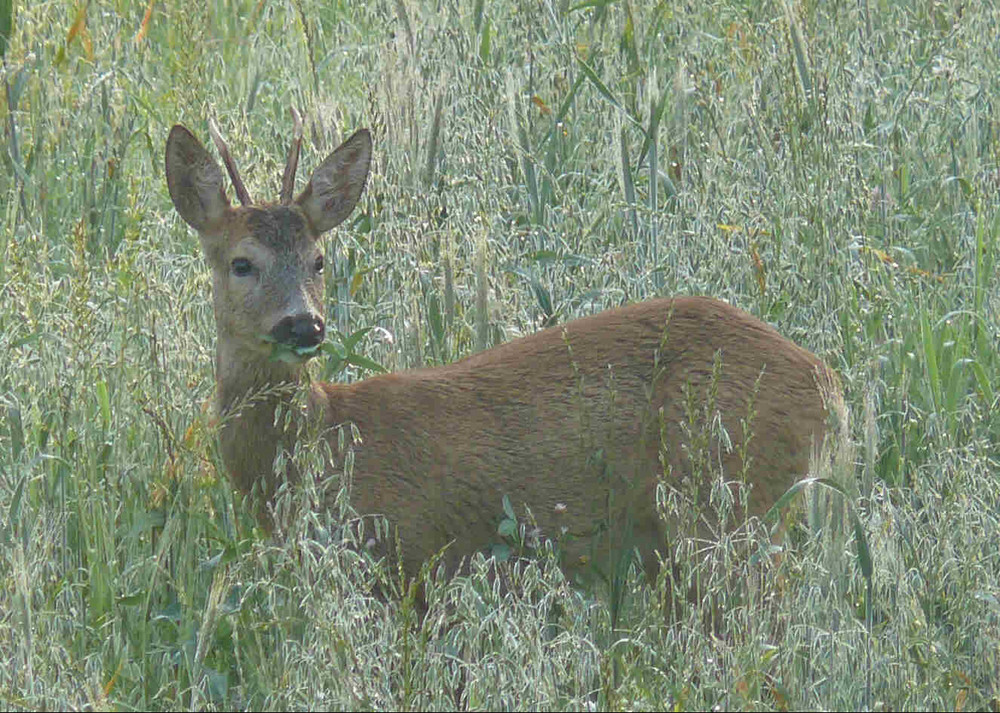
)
(832, 168)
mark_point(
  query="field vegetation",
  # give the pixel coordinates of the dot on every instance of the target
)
(831, 167)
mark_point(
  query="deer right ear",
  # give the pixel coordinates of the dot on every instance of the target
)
(195, 181)
(336, 185)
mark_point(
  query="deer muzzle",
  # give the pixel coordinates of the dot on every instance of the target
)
(298, 336)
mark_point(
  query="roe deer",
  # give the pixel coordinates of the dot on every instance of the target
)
(578, 423)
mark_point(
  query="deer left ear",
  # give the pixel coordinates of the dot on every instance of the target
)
(194, 180)
(336, 185)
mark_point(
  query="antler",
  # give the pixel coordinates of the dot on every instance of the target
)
(241, 191)
(288, 178)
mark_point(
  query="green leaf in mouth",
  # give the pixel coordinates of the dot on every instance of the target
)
(290, 354)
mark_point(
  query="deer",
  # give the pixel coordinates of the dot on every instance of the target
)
(578, 424)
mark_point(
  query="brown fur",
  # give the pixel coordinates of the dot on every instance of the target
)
(565, 422)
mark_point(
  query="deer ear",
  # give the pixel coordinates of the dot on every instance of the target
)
(336, 185)
(194, 180)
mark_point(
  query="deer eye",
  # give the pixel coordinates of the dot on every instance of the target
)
(241, 267)
(318, 265)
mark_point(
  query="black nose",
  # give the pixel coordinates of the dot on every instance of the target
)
(301, 331)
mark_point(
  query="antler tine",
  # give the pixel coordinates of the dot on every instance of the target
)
(241, 191)
(288, 178)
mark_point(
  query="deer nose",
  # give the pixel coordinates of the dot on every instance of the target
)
(300, 331)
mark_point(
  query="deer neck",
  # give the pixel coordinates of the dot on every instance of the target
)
(250, 388)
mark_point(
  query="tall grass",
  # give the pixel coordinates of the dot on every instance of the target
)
(832, 168)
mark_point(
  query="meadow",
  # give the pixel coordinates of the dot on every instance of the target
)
(831, 167)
